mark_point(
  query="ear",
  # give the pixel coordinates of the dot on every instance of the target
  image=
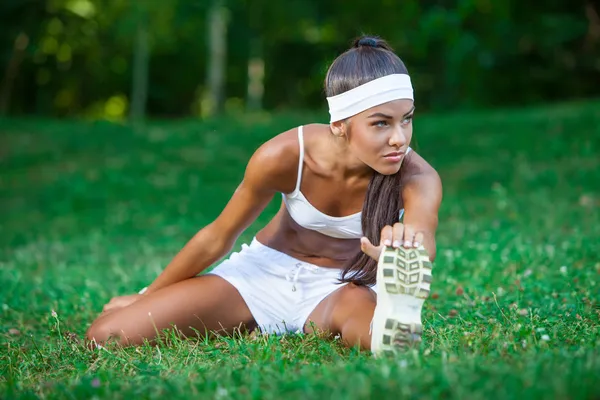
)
(338, 128)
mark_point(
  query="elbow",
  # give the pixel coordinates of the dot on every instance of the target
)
(213, 239)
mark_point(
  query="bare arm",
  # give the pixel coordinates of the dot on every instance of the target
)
(265, 173)
(422, 196)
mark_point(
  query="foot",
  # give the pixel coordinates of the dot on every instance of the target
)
(403, 282)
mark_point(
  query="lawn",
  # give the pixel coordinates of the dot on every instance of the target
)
(90, 210)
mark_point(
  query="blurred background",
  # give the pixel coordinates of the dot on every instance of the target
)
(126, 125)
(125, 59)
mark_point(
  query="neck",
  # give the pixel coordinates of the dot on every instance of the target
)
(344, 162)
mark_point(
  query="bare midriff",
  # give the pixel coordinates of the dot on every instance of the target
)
(283, 234)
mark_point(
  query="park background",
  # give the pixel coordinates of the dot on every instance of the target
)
(126, 125)
(112, 59)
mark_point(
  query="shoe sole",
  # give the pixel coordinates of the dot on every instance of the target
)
(403, 284)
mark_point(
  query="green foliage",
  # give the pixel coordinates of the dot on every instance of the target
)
(93, 210)
(462, 53)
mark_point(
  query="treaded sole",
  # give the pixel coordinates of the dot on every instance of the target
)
(404, 276)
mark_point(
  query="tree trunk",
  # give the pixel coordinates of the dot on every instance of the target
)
(256, 76)
(141, 61)
(217, 44)
(593, 33)
(12, 71)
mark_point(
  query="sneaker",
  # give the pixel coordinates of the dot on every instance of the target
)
(403, 283)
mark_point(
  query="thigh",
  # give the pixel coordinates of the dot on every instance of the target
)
(195, 306)
(348, 303)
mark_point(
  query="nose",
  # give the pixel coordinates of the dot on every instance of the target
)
(398, 138)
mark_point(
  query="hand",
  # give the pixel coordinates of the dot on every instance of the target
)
(396, 236)
(120, 302)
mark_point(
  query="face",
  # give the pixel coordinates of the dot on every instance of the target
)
(380, 136)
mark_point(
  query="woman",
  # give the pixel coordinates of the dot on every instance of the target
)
(315, 265)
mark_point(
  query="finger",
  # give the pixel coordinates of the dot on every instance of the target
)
(409, 236)
(369, 249)
(112, 303)
(387, 234)
(105, 313)
(419, 239)
(398, 232)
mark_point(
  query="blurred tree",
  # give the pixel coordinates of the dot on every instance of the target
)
(93, 57)
(218, 16)
(256, 60)
(141, 61)
(12, 71)
(19, 20)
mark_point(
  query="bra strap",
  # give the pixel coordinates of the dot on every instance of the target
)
(300, 160)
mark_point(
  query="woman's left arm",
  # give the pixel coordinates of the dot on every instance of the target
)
(421, 193)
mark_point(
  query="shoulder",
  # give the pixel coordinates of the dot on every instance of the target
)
(275, 163)
(414, 163)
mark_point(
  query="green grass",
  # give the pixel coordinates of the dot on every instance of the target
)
(93, 210)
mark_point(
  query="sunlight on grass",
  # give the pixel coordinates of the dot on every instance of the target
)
(93, 210)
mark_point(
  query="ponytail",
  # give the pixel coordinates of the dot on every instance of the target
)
(369, 58)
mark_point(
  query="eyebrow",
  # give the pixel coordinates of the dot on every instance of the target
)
(381, 115)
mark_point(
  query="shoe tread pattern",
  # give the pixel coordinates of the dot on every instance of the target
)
(404, 271)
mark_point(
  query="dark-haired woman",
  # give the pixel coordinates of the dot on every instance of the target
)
(350, 250)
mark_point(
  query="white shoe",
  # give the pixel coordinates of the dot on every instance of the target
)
(403, 284)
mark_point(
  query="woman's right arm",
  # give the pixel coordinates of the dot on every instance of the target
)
(267, 173)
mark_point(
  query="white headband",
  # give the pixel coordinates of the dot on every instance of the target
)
(370, 94)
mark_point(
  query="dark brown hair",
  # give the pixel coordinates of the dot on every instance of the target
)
(369, 58)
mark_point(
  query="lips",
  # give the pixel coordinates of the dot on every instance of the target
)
(394, 154)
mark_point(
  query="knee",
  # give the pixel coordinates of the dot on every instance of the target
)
(352, 296)
(97, 333)
(354, 315)
(101, 331)
(353, 301)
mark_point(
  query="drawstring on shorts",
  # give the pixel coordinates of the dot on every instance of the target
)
(296, 273)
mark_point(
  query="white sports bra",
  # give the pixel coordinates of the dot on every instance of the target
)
(307, 216)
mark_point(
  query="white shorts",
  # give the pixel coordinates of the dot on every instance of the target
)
(280, 291)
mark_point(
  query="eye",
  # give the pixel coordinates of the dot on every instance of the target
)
(407, 120)
(380, 124)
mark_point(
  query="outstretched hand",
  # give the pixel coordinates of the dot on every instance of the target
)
(399, 235)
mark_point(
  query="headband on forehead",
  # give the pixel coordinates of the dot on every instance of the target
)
(370, 94)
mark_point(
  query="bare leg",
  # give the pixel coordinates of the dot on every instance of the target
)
(206, 303)
(404, 278)
(346, 312)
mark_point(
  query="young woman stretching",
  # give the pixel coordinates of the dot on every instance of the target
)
(320, 263)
